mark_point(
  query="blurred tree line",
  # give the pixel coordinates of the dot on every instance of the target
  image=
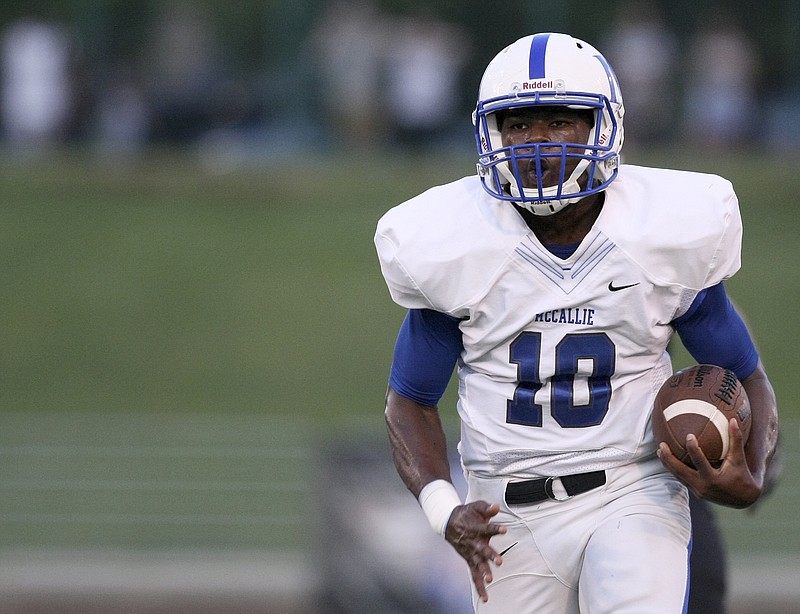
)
(255, 31)
(264, 48)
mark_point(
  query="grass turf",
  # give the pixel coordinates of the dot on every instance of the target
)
(163, 288)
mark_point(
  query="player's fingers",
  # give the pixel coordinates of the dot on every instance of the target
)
(481, 527)
(480, 563)
(677, 467)
(736, 445)
(489, 510)
(481, 575)
(735, 457)
(669, 460)
(699, 459)
(484, 553)
(472, 544)
(480, 585)
(495, 529)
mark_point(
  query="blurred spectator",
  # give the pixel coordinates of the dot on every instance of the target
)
(783, 121)
(184, 68)
(723, 66)
(123, 116)
(423, 65)
(348, 43)
(37, 92)
(643, 52)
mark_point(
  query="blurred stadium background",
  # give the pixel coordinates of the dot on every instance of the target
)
(196, 336)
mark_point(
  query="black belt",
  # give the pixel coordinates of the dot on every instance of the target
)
(533, 491)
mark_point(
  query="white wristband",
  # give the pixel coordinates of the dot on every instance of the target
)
(438, 500)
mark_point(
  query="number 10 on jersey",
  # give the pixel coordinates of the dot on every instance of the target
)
(580, 389)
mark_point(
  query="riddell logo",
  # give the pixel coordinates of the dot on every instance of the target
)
(538, 85)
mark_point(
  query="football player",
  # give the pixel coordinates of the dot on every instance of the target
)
(553, 280)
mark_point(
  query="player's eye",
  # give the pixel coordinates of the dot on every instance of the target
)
(516, 125)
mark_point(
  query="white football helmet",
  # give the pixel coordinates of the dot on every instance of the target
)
(546, 70)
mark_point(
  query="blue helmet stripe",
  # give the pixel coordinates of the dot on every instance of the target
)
(536, 59)
(612, 78)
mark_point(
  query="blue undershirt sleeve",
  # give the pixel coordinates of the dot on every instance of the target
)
(425, 354)
(713, 332)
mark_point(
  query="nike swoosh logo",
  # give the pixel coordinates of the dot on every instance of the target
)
(614, 288)
(509, 548)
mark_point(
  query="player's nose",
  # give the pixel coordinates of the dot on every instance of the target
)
(537, 133)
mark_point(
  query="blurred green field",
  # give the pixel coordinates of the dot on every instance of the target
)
(177, 343)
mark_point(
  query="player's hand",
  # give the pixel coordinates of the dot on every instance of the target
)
(731, 484)
(468, 531)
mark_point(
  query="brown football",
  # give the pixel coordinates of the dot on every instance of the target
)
(701, 400)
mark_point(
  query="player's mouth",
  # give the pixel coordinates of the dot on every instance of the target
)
(549, 172)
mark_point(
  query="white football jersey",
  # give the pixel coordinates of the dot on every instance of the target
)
(562, 358)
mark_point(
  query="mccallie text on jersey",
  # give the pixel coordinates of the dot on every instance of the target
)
(578, 315)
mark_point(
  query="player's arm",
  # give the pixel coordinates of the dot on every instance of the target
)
(713, 332)
(426, 352)
(417, 442)
(425, 355)
(763, 439)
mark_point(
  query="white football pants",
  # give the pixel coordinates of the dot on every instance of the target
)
(620, 548)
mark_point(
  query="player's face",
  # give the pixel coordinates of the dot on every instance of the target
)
(545, 125)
